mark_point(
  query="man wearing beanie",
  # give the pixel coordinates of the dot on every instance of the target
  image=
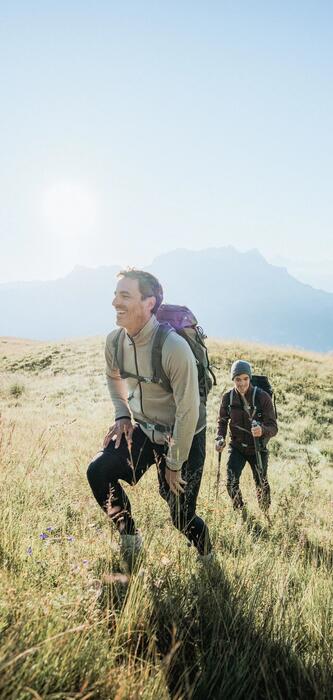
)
(240, 367)
(250, 414)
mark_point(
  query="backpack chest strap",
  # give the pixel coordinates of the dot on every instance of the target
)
(254, 406)
(138, 377)
(159, 376)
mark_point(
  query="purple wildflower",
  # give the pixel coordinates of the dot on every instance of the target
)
(70, 538)
(85, 561)
(29, 551)
(43, 536)
(50, 529)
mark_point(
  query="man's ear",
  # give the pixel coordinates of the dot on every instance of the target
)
(151, 303)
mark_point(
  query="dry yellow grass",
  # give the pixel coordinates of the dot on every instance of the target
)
(258, 624)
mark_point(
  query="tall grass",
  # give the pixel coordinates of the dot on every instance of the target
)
(255, 624)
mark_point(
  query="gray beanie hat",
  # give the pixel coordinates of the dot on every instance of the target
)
(240, 367)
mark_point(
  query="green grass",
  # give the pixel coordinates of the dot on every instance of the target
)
(257, 624)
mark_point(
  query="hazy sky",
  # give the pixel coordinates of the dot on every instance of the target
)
(131, 128)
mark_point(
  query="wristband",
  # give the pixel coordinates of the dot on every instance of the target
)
(219, 440)
(173, 470)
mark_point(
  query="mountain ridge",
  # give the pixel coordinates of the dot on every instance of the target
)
(233, 294)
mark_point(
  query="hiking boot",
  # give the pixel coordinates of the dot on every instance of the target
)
(130, 548)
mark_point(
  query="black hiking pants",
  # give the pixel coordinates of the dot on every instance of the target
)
(113, 464)
(235, 465)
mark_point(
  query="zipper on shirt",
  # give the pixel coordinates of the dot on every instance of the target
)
(137, 371)
(139, 383)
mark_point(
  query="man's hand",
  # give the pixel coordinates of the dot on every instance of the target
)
(123, 426)
(175, 481)
(256, 430)
(219, 444)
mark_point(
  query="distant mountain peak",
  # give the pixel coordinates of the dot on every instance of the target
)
(233, 294)
(216, 251)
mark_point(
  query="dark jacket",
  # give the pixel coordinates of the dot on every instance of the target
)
(240, 418)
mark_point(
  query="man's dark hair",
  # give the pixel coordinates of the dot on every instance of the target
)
(149, 285)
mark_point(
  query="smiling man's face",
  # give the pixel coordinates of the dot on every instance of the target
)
(133, 312)
(242, 383)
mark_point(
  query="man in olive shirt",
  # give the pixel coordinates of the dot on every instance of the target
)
(152, 425)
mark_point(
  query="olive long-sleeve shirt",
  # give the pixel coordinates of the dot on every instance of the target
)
(180, 411)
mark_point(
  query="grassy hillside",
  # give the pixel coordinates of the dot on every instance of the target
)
(257, 624)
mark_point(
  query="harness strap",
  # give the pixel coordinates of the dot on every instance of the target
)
(254, 406)
(254, 402)
(139, 377)
(154, 426)
(119, 359)
(231, 396)
(159, 376)
(118, 350)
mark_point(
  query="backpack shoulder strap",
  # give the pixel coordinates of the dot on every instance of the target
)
(241, 403)
(256, 401)
(231, 398)
(118, 349)
(255, 390)
(119, 358)
(159, 376)
(257, 393)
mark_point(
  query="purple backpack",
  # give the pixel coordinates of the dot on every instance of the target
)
(172, 317)
(181, 320)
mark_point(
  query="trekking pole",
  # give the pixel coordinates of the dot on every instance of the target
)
(260, 467)
(218, 475)
(258, 454)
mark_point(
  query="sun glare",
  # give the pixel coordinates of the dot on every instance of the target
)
(69, 209)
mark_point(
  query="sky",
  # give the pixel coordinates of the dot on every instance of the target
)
(130, 129)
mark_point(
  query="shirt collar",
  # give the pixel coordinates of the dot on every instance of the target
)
(142, 336)
(248, 394)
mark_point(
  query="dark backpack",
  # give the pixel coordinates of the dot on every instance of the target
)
(179, 319)
(261, 382)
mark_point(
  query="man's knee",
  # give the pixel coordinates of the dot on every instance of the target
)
(230, 488)
(94, 468)
(232, 484)
(102, 468)
(235, 492)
